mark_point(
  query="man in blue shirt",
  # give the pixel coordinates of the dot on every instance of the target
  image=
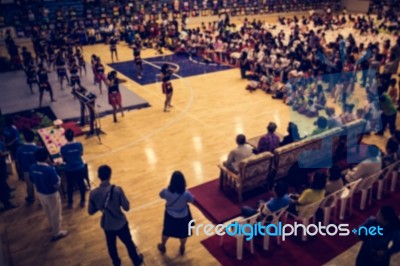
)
(378, 249)
(25, 158)
(11, 136)
(75, 170)
(47, 182)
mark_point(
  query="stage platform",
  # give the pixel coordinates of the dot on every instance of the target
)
(16, 96)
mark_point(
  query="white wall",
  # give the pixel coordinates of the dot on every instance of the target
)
(356, 5)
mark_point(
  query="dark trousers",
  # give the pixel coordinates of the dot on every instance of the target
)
(364, 78)
(385, 81)
(367, 257)
(83, 115)
(125, 236)
(4, 188)
(75, 177)
(243, 72)
(13, 150)
(388, 120)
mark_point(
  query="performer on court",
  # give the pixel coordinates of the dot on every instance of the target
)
(113, 47)
(44, 84)
(74, 73)
(81, 61)
(100, 75)
(166, 73)
(114, 96)
(138, 61)
(93, 62)
(61, 69)
(31, 75)
(51, 54)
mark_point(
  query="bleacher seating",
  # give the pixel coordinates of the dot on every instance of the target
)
(17, 16)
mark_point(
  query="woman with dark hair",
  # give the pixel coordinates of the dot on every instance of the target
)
(99, 73)
(244, 64)
(335, 181)
(93, 62)
(177, 213)
(81, 61)
(293, 134)
(166, 73)
(376, 250)
(138, 60)
(113, 47)
(44, 84)
(61, 69)
(114, 96)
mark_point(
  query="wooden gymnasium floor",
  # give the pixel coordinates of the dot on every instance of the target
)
(143, 149)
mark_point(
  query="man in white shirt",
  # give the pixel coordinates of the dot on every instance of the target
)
(369, 166)
(242, 151)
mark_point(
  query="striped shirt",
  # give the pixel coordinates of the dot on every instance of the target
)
(268, 142)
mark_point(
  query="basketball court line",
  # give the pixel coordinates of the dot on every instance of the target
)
(147, 136)
(202, 63)
(185, 112)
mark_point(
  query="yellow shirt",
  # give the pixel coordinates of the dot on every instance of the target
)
(310, 196)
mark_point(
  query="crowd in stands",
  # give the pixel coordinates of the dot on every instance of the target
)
(26, 13)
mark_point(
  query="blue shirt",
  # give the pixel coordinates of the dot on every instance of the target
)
(11, 133)
(378, 242)
(275, 204)
(176, 203)
(45, 178)
(26, 156)
(72, 155)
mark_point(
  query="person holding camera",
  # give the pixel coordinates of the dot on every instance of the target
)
(109, 199)
(114, 96)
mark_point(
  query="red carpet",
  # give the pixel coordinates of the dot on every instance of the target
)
(74, 127)
(315, 251)
(220, 206)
